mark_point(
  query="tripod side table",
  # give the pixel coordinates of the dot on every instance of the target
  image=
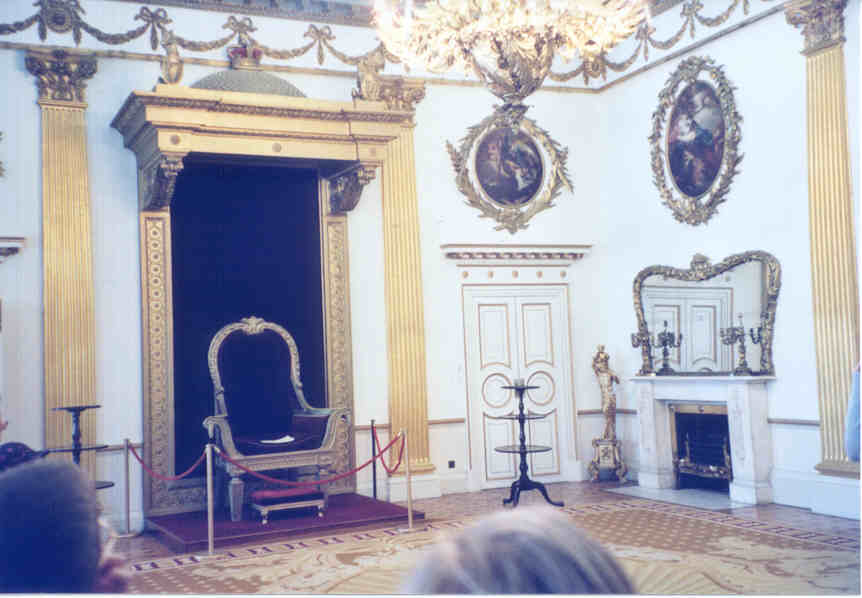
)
(524, 483)
(76, 448)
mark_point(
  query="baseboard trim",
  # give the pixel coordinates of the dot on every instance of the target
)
(823, 494)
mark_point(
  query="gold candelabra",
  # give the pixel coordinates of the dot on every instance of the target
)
(643, 339)
(667, 340)
(736, 334)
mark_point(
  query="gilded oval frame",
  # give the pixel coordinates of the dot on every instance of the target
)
(698, 209)
(554, 176)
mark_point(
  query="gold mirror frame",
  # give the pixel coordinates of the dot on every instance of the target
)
(701, 270)
(510, 218)
(687, 209)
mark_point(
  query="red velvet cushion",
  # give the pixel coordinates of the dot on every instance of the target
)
(308, 493)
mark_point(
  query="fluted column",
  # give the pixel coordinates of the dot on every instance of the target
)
(833, 254)
(408, 400)
(69, 328)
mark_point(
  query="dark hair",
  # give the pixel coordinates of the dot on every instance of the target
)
(16, 453)
(49, 529)
(525, 551)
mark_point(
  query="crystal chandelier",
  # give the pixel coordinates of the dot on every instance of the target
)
(508, 44)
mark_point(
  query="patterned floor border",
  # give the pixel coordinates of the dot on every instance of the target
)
(722, 519)
(173, 562)
(248, 552)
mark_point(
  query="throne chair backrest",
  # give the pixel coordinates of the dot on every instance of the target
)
(254, 366)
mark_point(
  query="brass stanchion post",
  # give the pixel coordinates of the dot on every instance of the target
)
(210, 524)
(409, 486)
(128, 492)
(129, 533)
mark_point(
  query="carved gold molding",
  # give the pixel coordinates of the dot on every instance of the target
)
(65, 16)
(158, 367)
(821, 21)
(554, 175)
(405, 319)
(397, 93)
(544, 254)
(325, 11)
(345, 188)
(141, 103)
(339, 363)
(702, 269)
(685, 208)
(158, 181)
(67, 252)
(691, 14)
(834, 283)
(60, 75)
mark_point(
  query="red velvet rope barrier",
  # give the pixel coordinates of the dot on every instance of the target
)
(383, 463)
(313, 482)
(166, 478)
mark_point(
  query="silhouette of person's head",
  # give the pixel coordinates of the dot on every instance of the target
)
(523, 551)
(49, 529)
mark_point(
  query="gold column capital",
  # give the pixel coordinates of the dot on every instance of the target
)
(345, 188)
(398, 93)
(61, 76)
(822, 22)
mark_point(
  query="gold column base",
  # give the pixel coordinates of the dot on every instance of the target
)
(843, 469)
(417, 467)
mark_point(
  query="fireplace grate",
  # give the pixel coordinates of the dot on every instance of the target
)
(705, 459)
(701, 442)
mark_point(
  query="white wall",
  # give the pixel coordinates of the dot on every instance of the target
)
(766, 209)
(615, 206)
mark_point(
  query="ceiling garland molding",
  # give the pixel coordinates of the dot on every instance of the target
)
(66, 16)
(691, 15)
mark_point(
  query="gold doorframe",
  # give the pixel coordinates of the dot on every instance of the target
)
(162, 127)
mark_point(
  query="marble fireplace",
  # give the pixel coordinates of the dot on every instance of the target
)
(745, 398)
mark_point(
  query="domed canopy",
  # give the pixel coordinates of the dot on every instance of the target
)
(248, 82)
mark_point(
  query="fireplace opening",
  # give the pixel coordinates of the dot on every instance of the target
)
(701, 444)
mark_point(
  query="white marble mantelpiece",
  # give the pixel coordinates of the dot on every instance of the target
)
(750, 437)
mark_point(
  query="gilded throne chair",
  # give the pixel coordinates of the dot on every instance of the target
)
(262, 420)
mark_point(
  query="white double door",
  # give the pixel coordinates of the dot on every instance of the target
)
(516, 332)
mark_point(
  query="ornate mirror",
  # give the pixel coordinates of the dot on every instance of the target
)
(710, 319)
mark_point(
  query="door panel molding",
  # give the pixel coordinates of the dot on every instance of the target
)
(538, 314)
(487, 347)
(536, 353)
